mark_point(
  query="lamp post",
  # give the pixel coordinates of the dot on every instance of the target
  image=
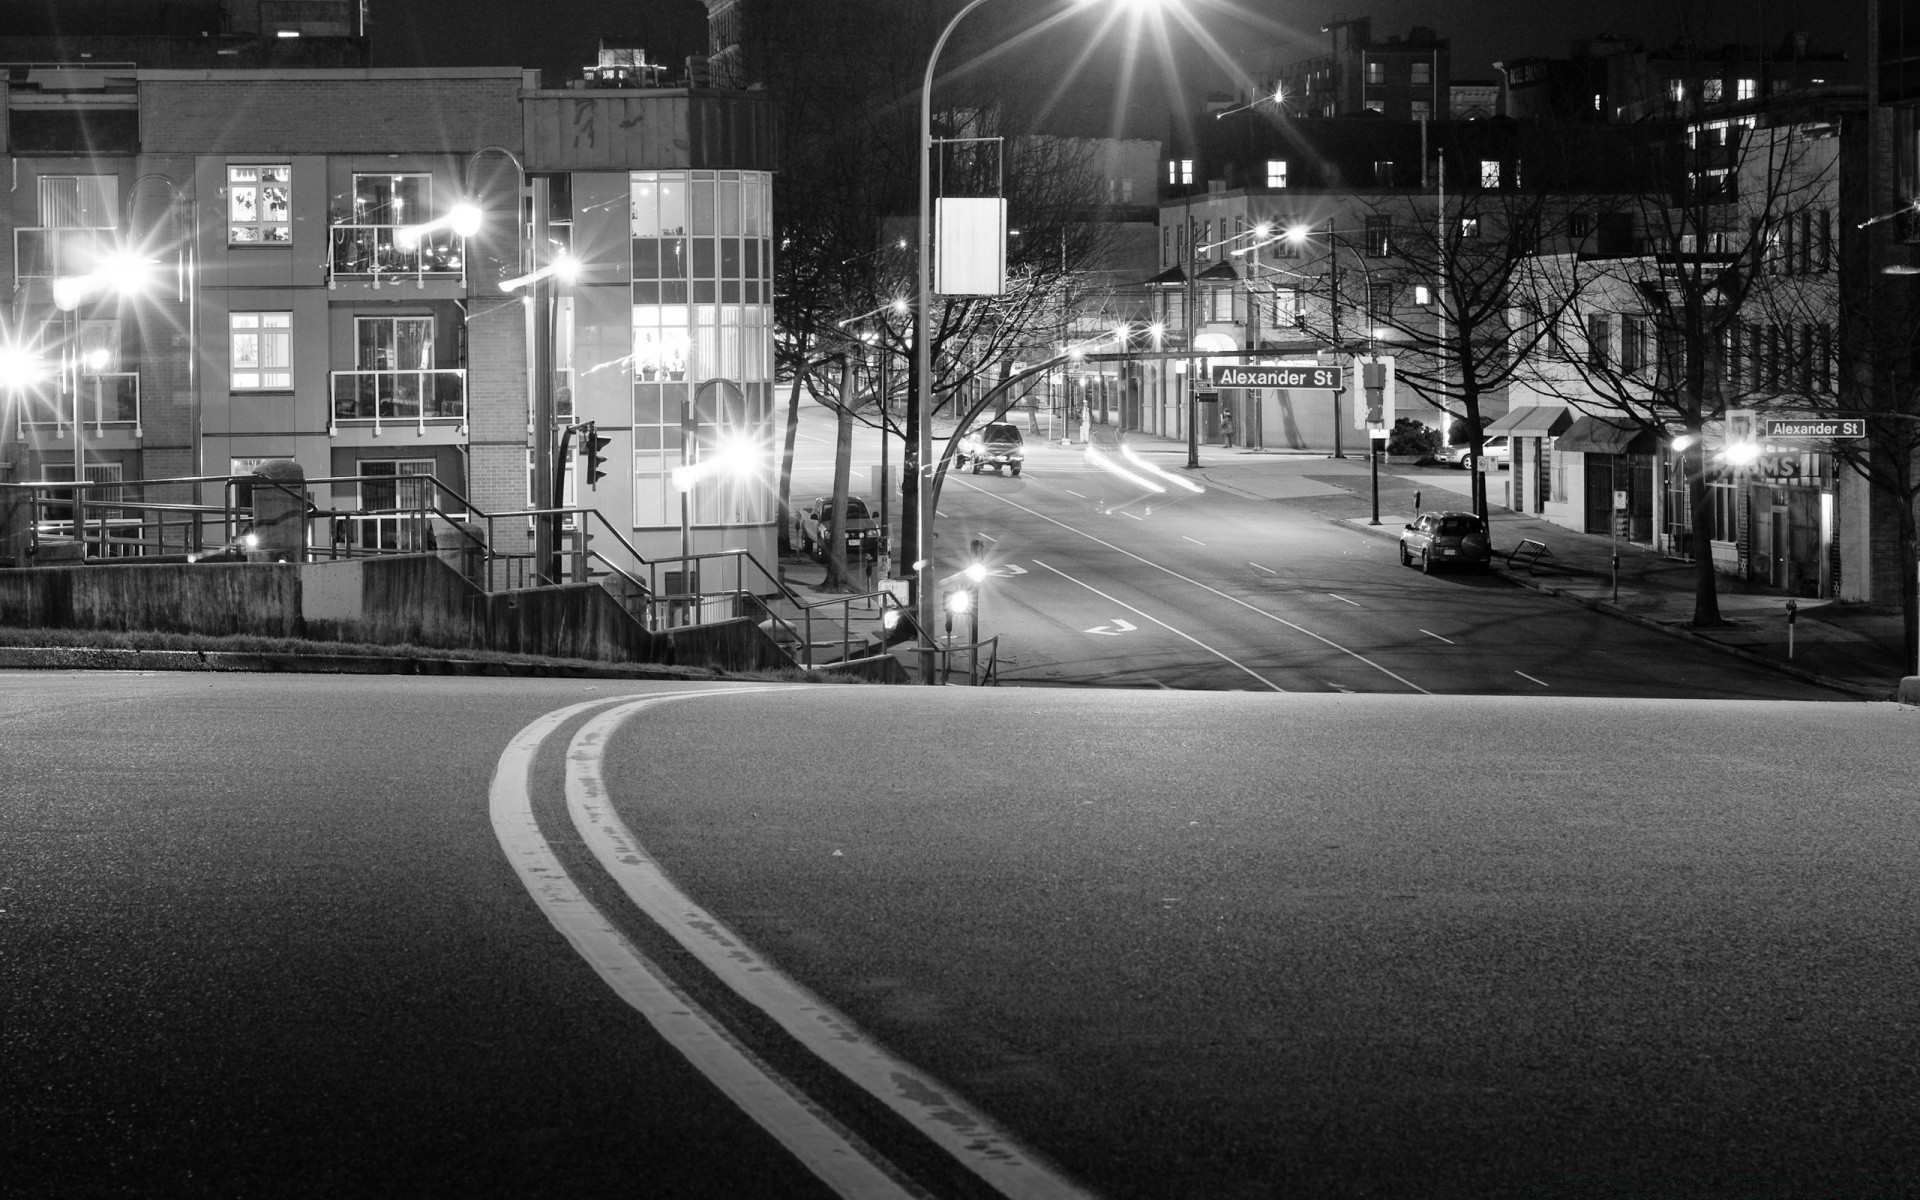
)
(923, 357)
(1298, 235)
(126, 273)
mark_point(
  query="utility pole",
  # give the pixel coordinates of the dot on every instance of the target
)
(1333, 263)
(1193, 364)
(541, 354)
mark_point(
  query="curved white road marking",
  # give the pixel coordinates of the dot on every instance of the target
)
(832, 1154)
(924, 1102)
(1205, 588)
(1430, 633)
(1162, 624)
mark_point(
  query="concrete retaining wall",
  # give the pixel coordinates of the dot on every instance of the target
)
(411, 599)
(205, 598)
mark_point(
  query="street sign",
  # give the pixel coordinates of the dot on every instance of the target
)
(1619, 500)
(1791, 427)
(1234, 375)
(1206, 397)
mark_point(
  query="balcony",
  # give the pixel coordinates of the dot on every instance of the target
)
(108, 400)
(372, 252)
(377, 398)
(42, 253)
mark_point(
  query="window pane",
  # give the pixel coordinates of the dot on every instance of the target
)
(646, 207)
(673, 205)
(729, 209)
(702, 207)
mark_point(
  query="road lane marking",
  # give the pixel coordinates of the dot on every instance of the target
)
(1115, 630)
(831, 1153)
(1344, 600)
(929, 1105)
(989, 537)
(1194, 540)
(1216, 591)
(1524, 675)
(1269, 570)
(1162, 624)
(1068, 491)
(1430, 633)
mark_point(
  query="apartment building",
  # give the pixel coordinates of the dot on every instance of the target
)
(290, 310)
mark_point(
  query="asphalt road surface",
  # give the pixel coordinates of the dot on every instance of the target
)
(358, 936)
(1100, 580)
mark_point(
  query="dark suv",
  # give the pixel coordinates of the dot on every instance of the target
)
(997, 444)
(1446, 539)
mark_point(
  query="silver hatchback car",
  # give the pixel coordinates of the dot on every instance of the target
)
(1442, 539)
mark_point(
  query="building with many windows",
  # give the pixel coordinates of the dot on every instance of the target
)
(309, 299)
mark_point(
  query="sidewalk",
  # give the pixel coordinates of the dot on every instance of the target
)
(1851, 647)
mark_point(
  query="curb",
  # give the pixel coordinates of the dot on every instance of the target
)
(89, 659)
(1612, 610)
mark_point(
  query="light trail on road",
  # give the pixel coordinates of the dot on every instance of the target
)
(1162, 624)
(1203, 587)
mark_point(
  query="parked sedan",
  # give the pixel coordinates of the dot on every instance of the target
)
(1440, 539)
(1497, 452)
(812, 527)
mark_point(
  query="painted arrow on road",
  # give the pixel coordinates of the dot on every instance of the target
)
(1114, 630)
(1008, 571)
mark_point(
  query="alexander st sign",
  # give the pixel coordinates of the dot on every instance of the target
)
(1234, 375)
(1782, 428)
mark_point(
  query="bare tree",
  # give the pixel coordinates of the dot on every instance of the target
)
(1644, 336)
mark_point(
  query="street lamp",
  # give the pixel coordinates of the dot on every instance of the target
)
(122, 272)
(923, 346)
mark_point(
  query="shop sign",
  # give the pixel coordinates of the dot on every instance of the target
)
(1784, 468)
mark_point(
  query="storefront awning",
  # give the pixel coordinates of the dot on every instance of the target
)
(1602, 435)
(1538, 421)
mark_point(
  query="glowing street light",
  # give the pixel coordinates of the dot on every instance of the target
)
(463, 218)
(20, 368)
(564, 267)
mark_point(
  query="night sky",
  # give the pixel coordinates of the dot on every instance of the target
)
(560, 35)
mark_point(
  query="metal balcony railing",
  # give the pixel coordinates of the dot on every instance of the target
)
(373, 252)
(377, 398)
(42, 253)
(107, 399)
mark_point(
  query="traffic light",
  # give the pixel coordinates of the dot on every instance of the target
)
(596, 448)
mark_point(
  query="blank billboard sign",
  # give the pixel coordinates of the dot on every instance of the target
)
(971, 259)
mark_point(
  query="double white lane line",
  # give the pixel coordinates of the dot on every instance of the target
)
(835, 1155)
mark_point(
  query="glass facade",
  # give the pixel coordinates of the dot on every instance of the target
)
(702, 341)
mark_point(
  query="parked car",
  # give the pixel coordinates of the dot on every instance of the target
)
(1438, 539)
(997, 444)
(1497, 451)
(813, 526)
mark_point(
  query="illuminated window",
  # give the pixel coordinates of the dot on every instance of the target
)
(1179, 170)
(1378, 106)
(1376, 72)
(702, 338)
(1743, 89)
(1469, 228)
(259, 205)
(1676, 91)
(1276, 172)
(1422, 73)
(262, 350)
(1489, 172)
